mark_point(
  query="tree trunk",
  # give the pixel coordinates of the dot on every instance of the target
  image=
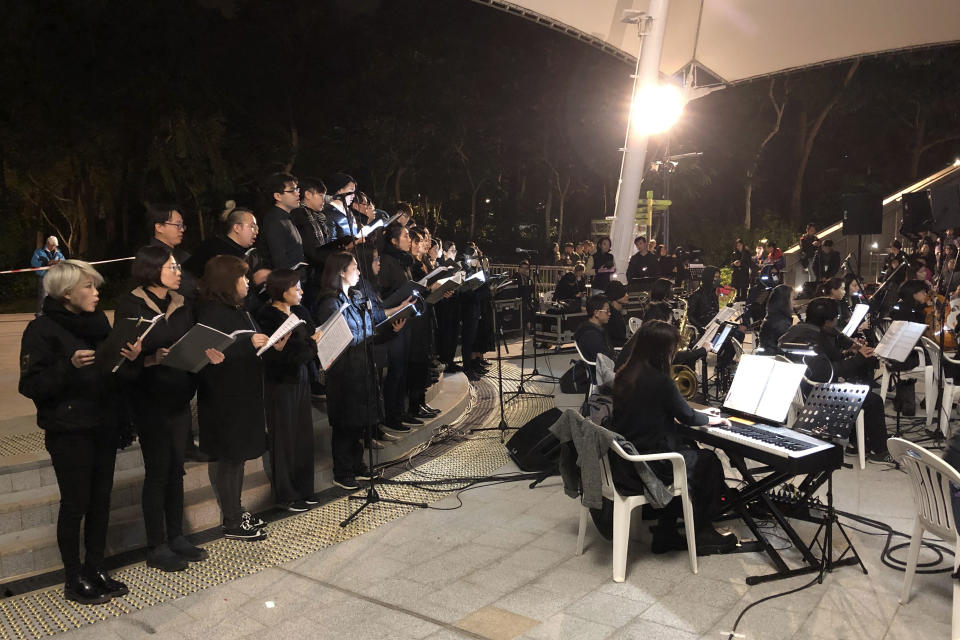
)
(778, 109)
(919, 133)
(547, 212)
(796, 198)
(396, 182)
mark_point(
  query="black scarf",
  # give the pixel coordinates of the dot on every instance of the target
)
(405, 259)
(91, 327)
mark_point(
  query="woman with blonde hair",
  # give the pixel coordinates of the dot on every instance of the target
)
(79, 409)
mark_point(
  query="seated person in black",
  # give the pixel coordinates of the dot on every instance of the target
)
(661, 291)
(703, 304)
(646, 408)
(616, 327)
(840, 357)
(912, 299)
(590, 336)
(572, 289)
(779, 318)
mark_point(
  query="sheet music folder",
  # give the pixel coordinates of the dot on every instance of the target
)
(763, 388)
(189, 352)
(859, 313)
(899, 340)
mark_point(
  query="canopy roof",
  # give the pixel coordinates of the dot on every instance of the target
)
(737, 40)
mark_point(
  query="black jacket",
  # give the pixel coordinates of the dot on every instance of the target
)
(395, 269)
(740, 278)
(616, 327)
(643, 266)
(284, 366)
(158, 389)
(568, 287)
(279, 241)
(68, 398)
(224, 246)
(830, 363)
(826, 265)
(703, 304)
(230, 396)
(591, 340)
(774, 325)
(603, 265)
(352, 397)
(339, 225)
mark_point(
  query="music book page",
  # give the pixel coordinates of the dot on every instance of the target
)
(859, 313)
(291, 323)
(336, 337)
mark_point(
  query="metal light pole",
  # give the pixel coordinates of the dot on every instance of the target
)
(652, 27)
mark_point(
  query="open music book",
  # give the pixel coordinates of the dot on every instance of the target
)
(435, 275)
(764, 387)
(336, 337)
(407, 289)
(474, 280)
(452, 283)
(189, 352)
(899, 340)
(291, 323)
(125, 331)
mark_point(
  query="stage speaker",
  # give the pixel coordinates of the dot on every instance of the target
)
(533, 447)
(917, 213)
(945, 206)
(862, 214)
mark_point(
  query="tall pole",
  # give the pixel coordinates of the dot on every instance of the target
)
(652, 28)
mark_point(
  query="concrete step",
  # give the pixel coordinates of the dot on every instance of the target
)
(28, 515)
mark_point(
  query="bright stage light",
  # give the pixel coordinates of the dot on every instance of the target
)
(657, 108)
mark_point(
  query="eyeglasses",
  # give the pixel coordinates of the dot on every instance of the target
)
(174, 267)
(179, 225)
(294, 190)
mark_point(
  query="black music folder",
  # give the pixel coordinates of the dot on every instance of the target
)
(189, 352)
(406, 290)
(408, 310)
(125, 331)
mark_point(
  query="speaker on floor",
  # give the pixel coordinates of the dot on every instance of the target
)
(533, 447)
(917, 212)
(862, 214)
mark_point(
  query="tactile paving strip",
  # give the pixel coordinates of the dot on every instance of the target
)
(21, 443)
(45, 612)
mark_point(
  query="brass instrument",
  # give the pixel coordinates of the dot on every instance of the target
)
(688, 333)
(685, 379)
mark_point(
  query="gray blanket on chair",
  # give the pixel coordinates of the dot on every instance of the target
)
(580, 464)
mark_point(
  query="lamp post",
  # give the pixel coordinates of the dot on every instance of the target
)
(653, 108)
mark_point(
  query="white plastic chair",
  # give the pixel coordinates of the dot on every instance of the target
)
(931, 377)
(623, 506)
(932, 481)
(593, 369)
(633, 324)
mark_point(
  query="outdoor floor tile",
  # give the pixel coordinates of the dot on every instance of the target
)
(496, 624)
(564, 626)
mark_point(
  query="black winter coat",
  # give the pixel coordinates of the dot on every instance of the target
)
(279, 241)
(703, 303)
(284, 366)
(68, 398)
(230, 395)
(352, 397)
(395, 269)
(774, 325)
(224, 246)
(158, 389)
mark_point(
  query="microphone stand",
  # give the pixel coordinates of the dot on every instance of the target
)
(372, 496)
(528, 377)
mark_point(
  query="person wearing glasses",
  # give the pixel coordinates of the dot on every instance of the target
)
(160, 397)
(280, 242)
(79, 408)
(166, 224)
(590, 336)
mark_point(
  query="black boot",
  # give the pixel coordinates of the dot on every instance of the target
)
(84, 591)
(102, 580)
(164, 559)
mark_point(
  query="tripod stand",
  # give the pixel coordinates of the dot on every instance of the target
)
(498, 337)
(528, 377)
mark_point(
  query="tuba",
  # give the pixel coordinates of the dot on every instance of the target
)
(685, 379)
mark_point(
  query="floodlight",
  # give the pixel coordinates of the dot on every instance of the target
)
(657, 108)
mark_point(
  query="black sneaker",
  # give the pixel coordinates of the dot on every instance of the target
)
(84, 591)
(396, 426)
(164, 559)
(432, 410)
(882, 458)
(350, 484)
(311, 501)
(255, 521)
(711, 541)
(423, 414)
(386, 436)
(297, 506)
(182, 547)
(363, 473)
(244, 532)
(102, 580)
(409, 418)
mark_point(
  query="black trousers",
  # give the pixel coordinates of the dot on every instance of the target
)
(395, 382)
(346, 445)
(229, 487)
(416, 385)
(163, 438)
(290, 438)
(704, 480)
(448, 329)
(470, 320)
(84, 463)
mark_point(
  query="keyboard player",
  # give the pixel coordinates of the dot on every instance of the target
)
(837, 358)
(646, 409)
